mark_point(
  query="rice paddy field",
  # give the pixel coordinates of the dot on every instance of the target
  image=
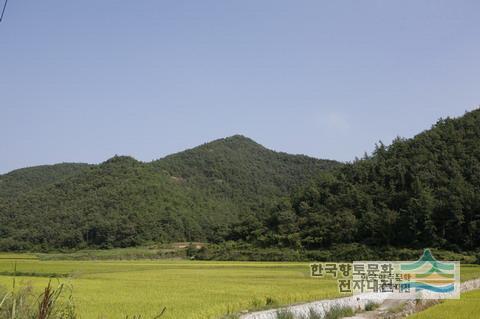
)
(468, 306)
(188, 289)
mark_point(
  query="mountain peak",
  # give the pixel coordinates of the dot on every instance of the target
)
(121, 159)
(234, 142)
(239, 137)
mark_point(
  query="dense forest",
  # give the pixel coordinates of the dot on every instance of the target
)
(194, 195)
(418, 192)
(26, 179)
(234, 193)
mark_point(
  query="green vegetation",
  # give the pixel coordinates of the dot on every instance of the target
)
(285, 314)
(188, 289)
(416, 193)
(52, 303)
(466, 307)
(469, 272)
(251, 203)
(339, 312)
(190, 196)
(132, 253)
(370, 306)
(313, 315)
(24, 180)
(342, 252)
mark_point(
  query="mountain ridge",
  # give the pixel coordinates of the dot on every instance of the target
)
(121, 202)
(416, 192)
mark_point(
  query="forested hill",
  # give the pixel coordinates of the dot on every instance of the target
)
(192, 195)
(23, 180)
(418, 192)
(238, 168)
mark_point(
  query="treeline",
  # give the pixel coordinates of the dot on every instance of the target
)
(239, 251)
(419, 192)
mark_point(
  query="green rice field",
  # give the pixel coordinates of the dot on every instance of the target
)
(188, 289)
(467, 307)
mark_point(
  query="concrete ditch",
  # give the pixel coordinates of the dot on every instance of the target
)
(358, 303)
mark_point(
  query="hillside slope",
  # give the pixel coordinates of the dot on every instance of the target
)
(23, 180)
(192, 195)
(239, 169)
(418, 192)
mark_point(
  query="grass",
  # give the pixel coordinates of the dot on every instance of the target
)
(105, 289)
(285, 314)
(15, 256)
(339, 312)
(468, 306)
(188, 289)
(22, 303)
(135, 253)
(370, 306)
(314, 315)
(398, 308)
(468, 272)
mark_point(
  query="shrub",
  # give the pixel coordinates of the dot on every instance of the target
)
(370, 306)
(339, 312)
(270, 302)
(284, 314)
(313, 315)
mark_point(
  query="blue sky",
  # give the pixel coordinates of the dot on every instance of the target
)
(84, 80)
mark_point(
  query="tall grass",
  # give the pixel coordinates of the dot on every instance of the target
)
(370, 306)
(339, 312)
(285, 314)
(22, 304)
(334, 313)
(52, 303)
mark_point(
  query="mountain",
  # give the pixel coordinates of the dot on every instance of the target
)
(191, 195)
(418, 192)
(237, 168)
